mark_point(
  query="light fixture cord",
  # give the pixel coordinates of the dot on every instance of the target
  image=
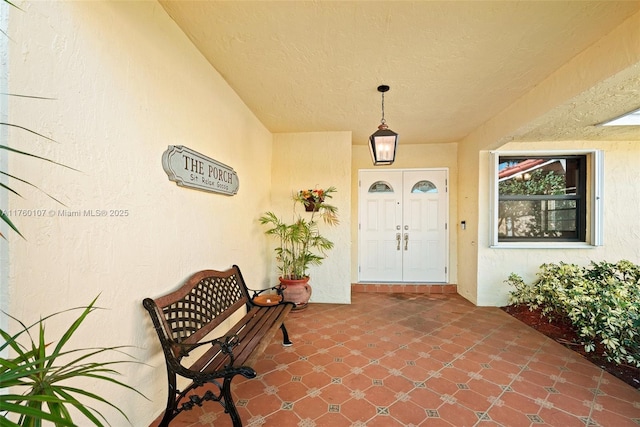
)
(382, 120)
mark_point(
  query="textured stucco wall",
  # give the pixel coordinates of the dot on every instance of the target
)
(468, 194)
(126, 83)
(412, 156)
(309, 160)
(4, 229)
(613, 58)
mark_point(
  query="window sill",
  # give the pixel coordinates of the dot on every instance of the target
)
(543, 245)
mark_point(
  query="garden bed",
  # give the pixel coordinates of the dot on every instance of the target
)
(561, 330)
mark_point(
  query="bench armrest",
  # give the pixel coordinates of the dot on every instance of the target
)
(226, 346)
(268, 300)
(257, 292)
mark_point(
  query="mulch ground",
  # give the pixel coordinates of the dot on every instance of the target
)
(561, 330)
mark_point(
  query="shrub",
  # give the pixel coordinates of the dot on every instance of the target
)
(602, 301)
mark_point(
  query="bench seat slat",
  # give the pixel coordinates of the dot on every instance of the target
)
(255, 331)
(273, 317)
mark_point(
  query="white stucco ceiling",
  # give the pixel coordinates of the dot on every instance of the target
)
(306, 66)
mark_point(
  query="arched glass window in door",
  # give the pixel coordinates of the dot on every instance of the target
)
(424, 187)
(380, 187)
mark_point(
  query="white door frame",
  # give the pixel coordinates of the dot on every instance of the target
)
(446, 207)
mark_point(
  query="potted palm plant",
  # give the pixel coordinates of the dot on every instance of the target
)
(300, 242)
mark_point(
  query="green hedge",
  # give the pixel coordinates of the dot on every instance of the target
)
(602, 300)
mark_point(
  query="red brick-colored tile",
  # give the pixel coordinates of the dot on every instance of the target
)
(421, 358)
(358, 410)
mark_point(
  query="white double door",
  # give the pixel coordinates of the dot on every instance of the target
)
(403, 233)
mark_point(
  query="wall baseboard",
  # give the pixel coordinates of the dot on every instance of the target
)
(410, 288)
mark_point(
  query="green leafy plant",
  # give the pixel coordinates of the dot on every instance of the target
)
(526, 215)
(4, 217)
(539, 182)
(301, 244)
(37, 379)
(602, 301)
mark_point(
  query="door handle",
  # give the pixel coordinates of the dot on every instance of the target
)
(398, 241)
(406, 241)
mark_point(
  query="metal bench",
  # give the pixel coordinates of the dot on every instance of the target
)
(185, 317)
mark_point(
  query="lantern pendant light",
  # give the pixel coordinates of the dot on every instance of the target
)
(384, 142)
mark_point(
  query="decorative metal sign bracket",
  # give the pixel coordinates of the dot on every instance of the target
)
(188, 168)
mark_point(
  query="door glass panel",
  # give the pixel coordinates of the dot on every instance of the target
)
(424, 187)
(380, 187)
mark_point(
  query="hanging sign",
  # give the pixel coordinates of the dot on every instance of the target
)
(188, 168)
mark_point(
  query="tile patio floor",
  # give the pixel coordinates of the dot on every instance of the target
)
(420, 360)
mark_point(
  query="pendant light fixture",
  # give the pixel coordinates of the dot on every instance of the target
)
(384, 142)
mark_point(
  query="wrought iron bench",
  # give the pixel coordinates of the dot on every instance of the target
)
(185, 317)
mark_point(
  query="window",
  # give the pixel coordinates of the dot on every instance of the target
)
(380, 187)
(424, 187)
(542, 199)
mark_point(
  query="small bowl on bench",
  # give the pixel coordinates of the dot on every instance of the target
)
(267, 299)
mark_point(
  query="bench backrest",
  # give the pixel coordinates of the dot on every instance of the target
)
(202, 303)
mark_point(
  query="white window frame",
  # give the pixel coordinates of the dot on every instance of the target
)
(595, 196)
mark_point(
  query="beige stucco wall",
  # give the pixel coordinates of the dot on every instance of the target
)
(467, 196)
(126, 83)
(317, 160)
(616, 57)
(412, 156)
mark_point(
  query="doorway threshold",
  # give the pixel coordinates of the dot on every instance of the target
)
(409, 288)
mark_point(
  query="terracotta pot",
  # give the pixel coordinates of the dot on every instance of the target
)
(298, 291)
